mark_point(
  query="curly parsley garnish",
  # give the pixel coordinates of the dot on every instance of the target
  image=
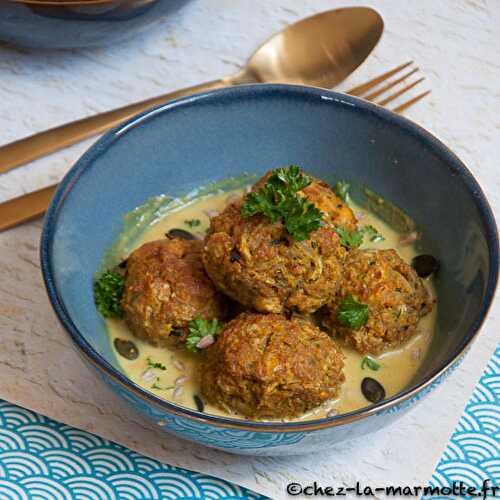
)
(200, 328)
(352, 313)
(192, 222)
(372, 234)
(108, 291)
(342, 190)
(158, 387)
(155, 364)
(278, 200)
(370, 363)
(349, 239)
(354, 239)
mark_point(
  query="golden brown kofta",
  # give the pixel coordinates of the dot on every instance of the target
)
(397, 298)
(165, 287)
(265, 366)
(258, 264)
(335, 211)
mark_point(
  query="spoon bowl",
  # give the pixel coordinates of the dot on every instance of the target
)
(321, 50)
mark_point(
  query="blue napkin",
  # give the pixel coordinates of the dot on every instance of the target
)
(473, 453)
(43, 459)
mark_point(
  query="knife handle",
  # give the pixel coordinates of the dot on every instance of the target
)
(26, 207)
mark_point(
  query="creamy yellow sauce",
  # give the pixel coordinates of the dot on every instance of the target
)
(398, 367)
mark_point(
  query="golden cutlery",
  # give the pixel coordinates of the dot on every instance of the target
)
(25, 207)
(321, 50)
(34, 204)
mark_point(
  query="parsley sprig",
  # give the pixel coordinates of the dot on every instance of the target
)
(108, 291)
(342, 190)
(349, 239)
(155, 364)
(372, 233)
(192, 222)
(159, 387)
(278, 200)
(370, 363)
(354, 239)
(352, 313)
(199, 328)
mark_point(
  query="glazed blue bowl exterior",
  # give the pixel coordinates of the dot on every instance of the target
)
(53, 24)
(209, 137)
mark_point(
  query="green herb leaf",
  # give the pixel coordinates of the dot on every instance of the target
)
(342, 190)
(349, 239)
(156, 385)
(108, 291)
(302, 219)
(292, 177)
(352, 313)
(370, 363)
(372, 233)
(354, 239)
(155, 364)
(261, 202)
(199, 328)
(192, 222)
(278, 200)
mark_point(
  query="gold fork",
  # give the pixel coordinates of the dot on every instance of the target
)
(33, 205)
(363, 89)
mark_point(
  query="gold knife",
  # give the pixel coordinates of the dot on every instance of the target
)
(25, 207)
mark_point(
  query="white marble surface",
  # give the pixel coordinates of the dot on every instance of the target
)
(454, 42)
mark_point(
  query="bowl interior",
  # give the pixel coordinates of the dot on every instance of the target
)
(207, 138)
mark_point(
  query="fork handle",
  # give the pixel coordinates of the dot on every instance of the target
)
(25, 150)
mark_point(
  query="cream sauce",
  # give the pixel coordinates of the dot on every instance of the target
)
(398, 367)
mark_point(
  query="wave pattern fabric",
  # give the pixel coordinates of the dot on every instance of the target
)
(43, 459)
(473, 453)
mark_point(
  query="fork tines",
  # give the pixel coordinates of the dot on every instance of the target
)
(374, 88)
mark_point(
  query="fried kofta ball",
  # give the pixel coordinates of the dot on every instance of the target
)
(265, 366)
(165, 287)
(259, 264)
(396, 297)
(335, 211)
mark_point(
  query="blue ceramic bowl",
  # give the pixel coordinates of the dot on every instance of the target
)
(196, 140)
(78, 23)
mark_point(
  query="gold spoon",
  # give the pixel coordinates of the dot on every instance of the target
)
(321, 50)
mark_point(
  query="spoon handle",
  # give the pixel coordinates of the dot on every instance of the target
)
(34, 146)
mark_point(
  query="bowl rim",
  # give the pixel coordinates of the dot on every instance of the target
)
(83, 165)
